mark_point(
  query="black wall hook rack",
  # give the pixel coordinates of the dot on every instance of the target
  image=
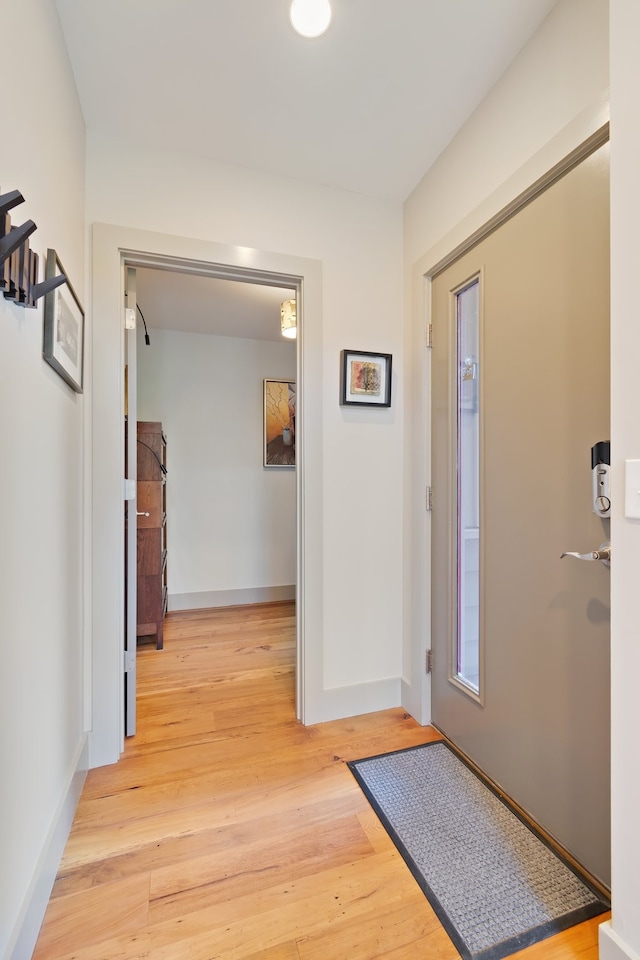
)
(18, 263)
(10, 200)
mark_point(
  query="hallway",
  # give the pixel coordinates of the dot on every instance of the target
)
(230, 831)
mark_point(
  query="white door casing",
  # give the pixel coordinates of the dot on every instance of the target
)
(113, 248)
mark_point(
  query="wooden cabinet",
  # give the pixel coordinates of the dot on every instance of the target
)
(152, 530)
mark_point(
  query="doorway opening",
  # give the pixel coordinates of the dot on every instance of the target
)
(207, 358)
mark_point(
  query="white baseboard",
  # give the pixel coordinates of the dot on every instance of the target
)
(336, 703)
(612, 947)
(27, 927)
(410, 700)
(230, 598)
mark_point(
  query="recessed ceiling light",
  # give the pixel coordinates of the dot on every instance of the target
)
(310, 18)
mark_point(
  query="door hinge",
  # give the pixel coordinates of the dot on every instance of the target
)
(129, 661)
(429, 335)
(129, 318)
(428, 660)
(429, 500)
(128, 489)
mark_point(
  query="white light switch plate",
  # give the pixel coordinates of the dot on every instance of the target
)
(632, 489)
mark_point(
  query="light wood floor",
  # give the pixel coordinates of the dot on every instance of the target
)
(228, 830)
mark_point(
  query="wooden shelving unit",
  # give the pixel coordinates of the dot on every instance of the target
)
(152, 531)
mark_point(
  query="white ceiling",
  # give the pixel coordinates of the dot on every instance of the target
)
(367, 107)
(194, 304)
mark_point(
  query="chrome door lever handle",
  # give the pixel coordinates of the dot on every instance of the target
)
(142, 513)
(602, 553)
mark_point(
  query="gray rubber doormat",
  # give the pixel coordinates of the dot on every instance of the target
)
(494, 884)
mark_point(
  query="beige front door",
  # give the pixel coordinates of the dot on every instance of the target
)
(520, 394)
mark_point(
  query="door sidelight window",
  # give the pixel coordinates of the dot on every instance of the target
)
(466, 659)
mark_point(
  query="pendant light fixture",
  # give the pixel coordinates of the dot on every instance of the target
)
(310, 18)
(288, 319)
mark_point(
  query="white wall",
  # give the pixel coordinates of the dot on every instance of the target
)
(41, 500)
(357, 240)
(551, 98)
(231, 521)
(622, 938)
(562, 70)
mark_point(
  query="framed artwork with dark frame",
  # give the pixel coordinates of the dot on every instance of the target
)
(365, 378)
(63, 338)
(279, 443)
